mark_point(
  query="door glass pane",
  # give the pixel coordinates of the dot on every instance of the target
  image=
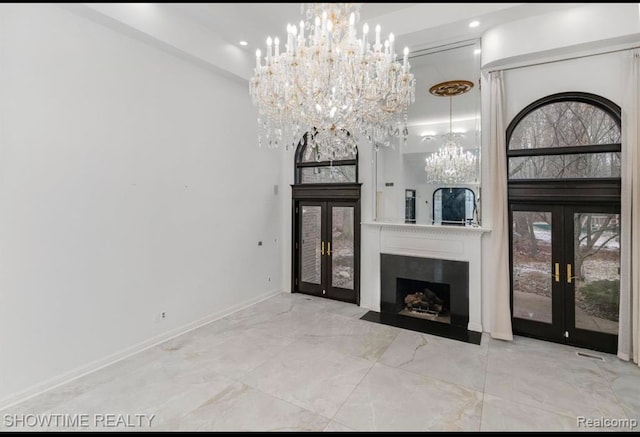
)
(342, 247)
(596, 269)
(532, 265)
(311, 236)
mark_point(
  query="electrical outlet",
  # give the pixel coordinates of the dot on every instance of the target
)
(160, 316)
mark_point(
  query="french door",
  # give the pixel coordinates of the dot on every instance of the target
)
(565, 273)
(326, 258)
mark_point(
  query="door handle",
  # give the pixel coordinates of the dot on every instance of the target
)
(569, 276)
(557, 274)
(322, 248)
(329, 248)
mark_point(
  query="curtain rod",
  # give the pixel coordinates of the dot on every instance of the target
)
(563, 59)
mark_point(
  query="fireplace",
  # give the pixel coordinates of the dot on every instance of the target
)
(443, 275)
(424, 300)
(425, 294)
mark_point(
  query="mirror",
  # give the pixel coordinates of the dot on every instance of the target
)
(403, 194)
(454, 206)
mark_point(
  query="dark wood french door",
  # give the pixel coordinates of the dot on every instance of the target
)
(326, 249)
(565, 273)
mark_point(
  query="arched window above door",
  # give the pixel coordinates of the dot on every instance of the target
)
(314, 166)
(569, 135)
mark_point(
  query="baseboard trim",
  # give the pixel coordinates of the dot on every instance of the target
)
(96, 365)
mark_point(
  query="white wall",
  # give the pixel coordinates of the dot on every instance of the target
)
(287, 163)
(562, 34)
(128, 187)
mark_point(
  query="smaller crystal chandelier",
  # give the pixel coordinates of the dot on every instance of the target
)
(451, 165)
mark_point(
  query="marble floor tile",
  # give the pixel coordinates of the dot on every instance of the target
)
(238, 354)
(283, 303)
(311, 376)
(349, 310)
(499, 415)
(351, 336)
(155, 390)
(289, 325)
(336, 427)
(295, 362)
(390, 399)
(627, 390)
(242, 408)
(216, 331)
(624, 378)
(549, 377)
(449, 360)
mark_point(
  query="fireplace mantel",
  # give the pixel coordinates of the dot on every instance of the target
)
(457, 243)
(447, 229)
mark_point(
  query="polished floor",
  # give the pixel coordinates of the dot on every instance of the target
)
(295, 362)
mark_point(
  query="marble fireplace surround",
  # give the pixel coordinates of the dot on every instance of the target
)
(455, 243)
(454, 275)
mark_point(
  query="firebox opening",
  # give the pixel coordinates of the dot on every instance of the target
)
(424, 300)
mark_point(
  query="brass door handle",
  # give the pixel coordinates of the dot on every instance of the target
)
(322, 248)
(569, 274)
(557, 274)
(329, 248)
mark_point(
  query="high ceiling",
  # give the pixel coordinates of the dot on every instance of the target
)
(216, 29)
(416, 25)
(253, 22)
(426, 28)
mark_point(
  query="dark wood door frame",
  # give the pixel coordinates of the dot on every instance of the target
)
(333, 194)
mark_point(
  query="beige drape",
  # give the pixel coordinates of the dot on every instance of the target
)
(500, 306)
(628, 336)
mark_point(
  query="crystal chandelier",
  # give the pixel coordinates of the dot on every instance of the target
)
(451, 165)
(332, 84)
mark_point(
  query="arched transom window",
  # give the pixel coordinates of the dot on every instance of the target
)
(565, 136)
(315, 166)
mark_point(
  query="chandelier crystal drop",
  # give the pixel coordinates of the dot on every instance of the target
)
(451, 165)
(328, 81)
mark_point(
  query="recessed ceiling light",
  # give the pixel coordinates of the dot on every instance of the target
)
(474, 24)
(244, 43)
(477, 51)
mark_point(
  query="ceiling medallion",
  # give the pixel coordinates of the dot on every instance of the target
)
(451, 88)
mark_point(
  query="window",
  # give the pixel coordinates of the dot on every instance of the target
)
(565, 136)
(313, 166)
